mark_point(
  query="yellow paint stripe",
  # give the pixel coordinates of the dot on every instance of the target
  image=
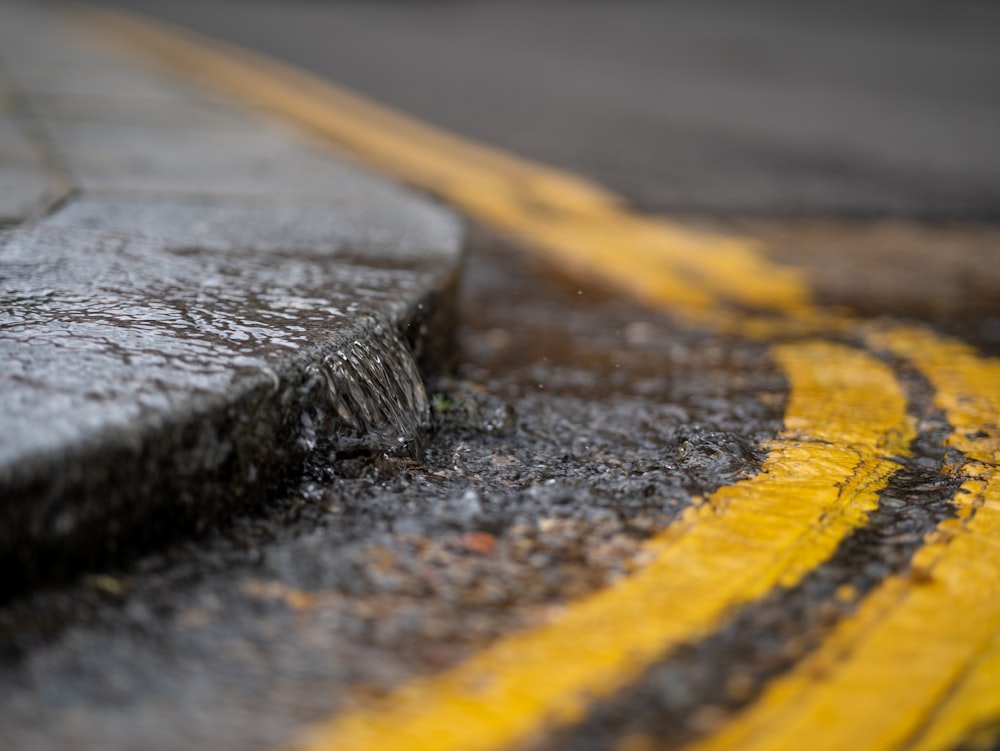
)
(918, 666)
(967, 386)
(972, 710)
(818, 483)
(884, 671)
(697, 275)
(968, 389)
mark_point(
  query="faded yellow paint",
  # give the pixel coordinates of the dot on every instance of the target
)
(918, 666)
(820, 480)
(706, 278)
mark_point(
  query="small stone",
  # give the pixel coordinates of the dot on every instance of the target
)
(481, 543)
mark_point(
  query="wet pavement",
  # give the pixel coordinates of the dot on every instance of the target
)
(574, 430)
(175, 315)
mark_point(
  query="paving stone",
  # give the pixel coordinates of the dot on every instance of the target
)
(103, 329)
(27, 190)
(28, 184)
(57, 59)
(217, 302)
(263, 161)
(382, 230)
(15, 145)
(116, 108)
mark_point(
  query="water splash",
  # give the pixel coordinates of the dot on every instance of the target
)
(373, 386)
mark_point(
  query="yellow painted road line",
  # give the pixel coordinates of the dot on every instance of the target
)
(971, 711)
(883, 674)
(918, 666)
(967, 386)
(819, 482)
(701, 276)
(968, 389)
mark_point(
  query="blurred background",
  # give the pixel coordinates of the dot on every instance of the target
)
(777, 108)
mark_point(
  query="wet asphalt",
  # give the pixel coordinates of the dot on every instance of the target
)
(574, 423)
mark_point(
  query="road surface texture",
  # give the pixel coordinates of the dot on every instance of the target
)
(717, 466)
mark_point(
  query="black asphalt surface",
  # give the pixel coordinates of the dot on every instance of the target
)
(773, 108)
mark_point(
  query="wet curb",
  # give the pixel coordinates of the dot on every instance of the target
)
(195, 305)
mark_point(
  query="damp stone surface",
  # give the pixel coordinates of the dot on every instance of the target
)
(194, 304)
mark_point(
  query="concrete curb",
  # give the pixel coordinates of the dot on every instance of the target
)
(196, 304)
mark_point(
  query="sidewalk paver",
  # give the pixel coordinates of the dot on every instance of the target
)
(196, 302)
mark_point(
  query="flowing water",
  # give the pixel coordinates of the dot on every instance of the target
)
(374, 387)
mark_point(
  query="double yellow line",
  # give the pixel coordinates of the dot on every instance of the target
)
(917, 666)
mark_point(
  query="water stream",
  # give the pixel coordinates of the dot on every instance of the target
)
(374, 387)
